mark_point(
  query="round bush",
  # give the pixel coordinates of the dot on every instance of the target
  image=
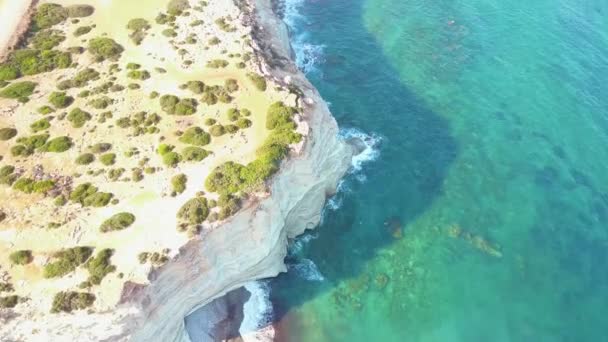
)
(80, 11)
(108, 159)
(7, 133)
(23, 257)
(105, 48)
(217, 130)
(195, 136)
(85, 159)
(119, 221)
(60, 99)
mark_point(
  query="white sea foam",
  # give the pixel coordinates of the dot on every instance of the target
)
(306, 269)
(369, 152)
(296, 246)
(257, 314)
(308, 55)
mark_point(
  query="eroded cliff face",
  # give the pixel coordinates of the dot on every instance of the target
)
(252, 245)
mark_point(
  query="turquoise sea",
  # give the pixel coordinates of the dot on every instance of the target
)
(482, 214)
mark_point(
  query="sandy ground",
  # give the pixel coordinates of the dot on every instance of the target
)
(12, 22)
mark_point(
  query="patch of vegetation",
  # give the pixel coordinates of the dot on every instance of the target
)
(195, 136)
(40, 125)
(7, 133)
(217, 130)
(20, 91)
(48, 15)
(195, 154)
(7, 177)
(101, 148)
(58, 145)
(258, 81)
(243, 123)
(82, 30)
(119, 221)
(9, 302)
(108, 159)
(60, 100)
(196, 87)
(178, 183)
(195, 211)
(101, 102)
(22, 257)
(44, 110)
(214, 41)
(231, 85)
(231, 178)
(80, 11)
(171, 159)
(88, 196)
(47, 39)
(85, 159)
(170, 33)
(210, 122)
(233, 114)
(177, 7)
(78, 117)
(25, 62)
(138, 75)
(173, 105)
(66, 261)
(217, 63)
(6, 287)
(105, 48)
(70, 300)
(99, 266)
(224, 26)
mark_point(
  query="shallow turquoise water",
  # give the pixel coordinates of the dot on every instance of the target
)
(485, 215)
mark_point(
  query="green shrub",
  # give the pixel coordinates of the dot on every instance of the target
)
(70, 301)
(138, 74)
(101, 148)
(85, 159)
(80, 11)
(214, 41)
(31, 62)
(66, 261)
(241, 65)
(24, 185)
(108, 159)
(210, 122)
(40, 125)
(217, 130)
(83, 78)
(7, 133)
(168, 103)
(58, 145)
(82, 30)
(196, 87)
(60, 99)
(279, 114)
(78, 117)
(171, 158)
(258, 81)
(9, 302)
(195, 136)
(170, 33)
(44, 110)
(233, 114)
(48, 15)
(244, 123)
(178, 183)
(138, 24)
(195, 211)
(226, 179)
(6, 287)
(87, 195)
(231, 128)
(99, 267)
(105, 48)
(133, 66)
(231, 85)
(119, 221)
(209, 98)
(173, 105)
(60, 201)
(22, 257)
(164, 149)
(19, 90)
(196, 154)
(101, 102)
(177, 7)
(44, 186)
(224, 26)
(47, 39)
(8, 72)
(217, 63)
